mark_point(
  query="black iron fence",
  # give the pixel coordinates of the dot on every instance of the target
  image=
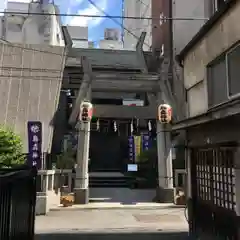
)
(17, 203)
(212, 209)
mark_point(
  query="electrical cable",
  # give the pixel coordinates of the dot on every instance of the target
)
(102, 16)
(88, 16)
(93, 16)
(16, 45)
(114, 20)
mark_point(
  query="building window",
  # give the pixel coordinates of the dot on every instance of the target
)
(233, 71)
(223, 77)
(217, 82)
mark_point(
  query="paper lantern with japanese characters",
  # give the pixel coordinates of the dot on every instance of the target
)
(86, 110)
(164, 113)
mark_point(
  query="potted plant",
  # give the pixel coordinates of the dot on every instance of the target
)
(67, 201)
(147, 168)
(66, 160)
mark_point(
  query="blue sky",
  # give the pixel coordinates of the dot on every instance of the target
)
(96, 26)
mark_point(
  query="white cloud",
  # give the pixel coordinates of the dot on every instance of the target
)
(67, 5)
(90, 10)
(75, 2)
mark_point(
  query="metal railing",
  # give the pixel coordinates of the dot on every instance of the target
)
(17, 203)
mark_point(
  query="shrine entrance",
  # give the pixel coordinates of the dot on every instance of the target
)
(105, 152)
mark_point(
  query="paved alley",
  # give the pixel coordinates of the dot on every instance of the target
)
(169, 223)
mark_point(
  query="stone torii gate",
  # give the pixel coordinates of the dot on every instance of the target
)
(115, 82)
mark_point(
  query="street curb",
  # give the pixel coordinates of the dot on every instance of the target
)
(84, 208)
(115, 230)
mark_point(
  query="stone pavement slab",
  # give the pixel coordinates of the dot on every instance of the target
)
(119, 214)
(114, 205)
(104, 220)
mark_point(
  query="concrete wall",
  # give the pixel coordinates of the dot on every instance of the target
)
(30, 82)
(220, 38)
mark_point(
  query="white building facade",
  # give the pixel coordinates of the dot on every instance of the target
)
(33, 52)
(134, 27)
(31, 29)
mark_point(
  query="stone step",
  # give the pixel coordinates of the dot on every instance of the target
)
(108, 182)
(105, 170)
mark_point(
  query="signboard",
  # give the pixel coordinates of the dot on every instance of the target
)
(34, 143)
(131, 148)
(137, 145)
(145, 142)
(132, 167)
(133, 102)
(137, 141)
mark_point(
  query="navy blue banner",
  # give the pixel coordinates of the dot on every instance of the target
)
(35, 143)
(131, 148)
(146, 142)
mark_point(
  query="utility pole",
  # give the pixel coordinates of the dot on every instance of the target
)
(81, 191)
